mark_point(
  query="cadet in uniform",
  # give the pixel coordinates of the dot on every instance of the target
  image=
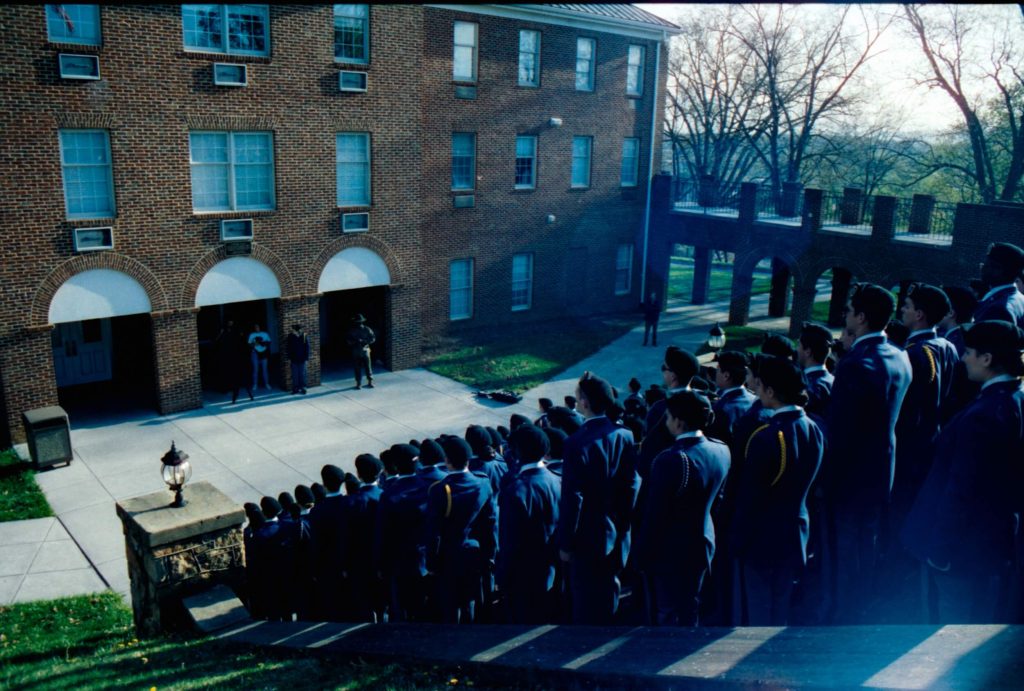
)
(872, 379)
(812, 351)
(1003, 301)
(966, 519)
(485, 458)
(733, 398)
(327, 519)
(398, 544)
(676, 541)
(365, 595)
(599, 488)
(360, 337)
(679, 367)
(771, 525)
(528, 506)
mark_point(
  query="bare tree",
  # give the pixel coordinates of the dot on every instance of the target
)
(948, 36)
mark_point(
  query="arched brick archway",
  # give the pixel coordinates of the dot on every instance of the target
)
(311, 280)
(212, 258)
(744, 268)
(100, 260)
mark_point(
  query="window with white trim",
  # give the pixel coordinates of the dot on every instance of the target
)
(352, 33)
(529, 57)
(522, 281)
(463, 160)
(74, 24)
(464, 55)
(460, 289)
(353, 168)
(526, 162)
(586, 50)
(581, 147)
(630, 161)
(624, 269)
(230, 29)
(88, 173)
(635, 71)
(232, 171)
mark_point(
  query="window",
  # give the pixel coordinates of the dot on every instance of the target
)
(353, 167)
(623, 269)
(463, 160)
(585, 49)
(352, 33)
(247, 29)
(526, 162)
(630, 160)
(529, 58)
(460, 292)
(464, 57)
(88, 173)
(73, 24)
(522, 282)
(232, 171)
(581, 161)
(635, 71)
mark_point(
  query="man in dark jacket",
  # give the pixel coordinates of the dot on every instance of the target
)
(1002, 301)
(599, 489)
(398, 545)
(298, 354)
(327, 519)
(359, 338)
(365, 596)
(652, 312)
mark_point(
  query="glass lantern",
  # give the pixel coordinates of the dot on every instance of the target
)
(176, 472)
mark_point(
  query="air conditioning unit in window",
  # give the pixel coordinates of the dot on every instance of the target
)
(90, 239)
(79, 66)
(464, 201)
(237, 229)
(230, 74)
(355, 223)
(349, 80)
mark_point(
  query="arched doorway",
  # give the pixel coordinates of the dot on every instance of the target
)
(354, 281)
(242, 291)
(102, 343)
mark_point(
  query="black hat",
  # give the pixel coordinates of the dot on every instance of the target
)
(874, 302)
(351, 484)
(358, 319)
(304, 495)
(681, 362)
(271, 507)
(404, 457)
(598, 392)
(530, 443)
(774, 344)
(692, 408)
(635, 385)
(251, 510)
(503, 431)
(287, 500)
(413, 442)
(1005, 341)
(930, 300)
(457, 451)
(732, 361)
(478, 439)
(785, 378)
(332, 476)
(563, 418)
(368, 467)
(556, 440)
(496, 440)
(812, 335)
(431, 452)
(319, 491)
(1008, 256)
(545, 404)
(517, 420)
(963, 301)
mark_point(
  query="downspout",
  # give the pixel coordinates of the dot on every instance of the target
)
(650, 169)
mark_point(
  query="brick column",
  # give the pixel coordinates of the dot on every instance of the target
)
(403, 315)
(853, 201)
(26, 376)
(701, 275)
(748, 202)
(841, 280)
(883, 221)
(813, 202)
(176, 356)
(803, 304)
(305, 310)
(778, 297)
(739, 302)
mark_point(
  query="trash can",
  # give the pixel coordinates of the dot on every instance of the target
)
(49, 436)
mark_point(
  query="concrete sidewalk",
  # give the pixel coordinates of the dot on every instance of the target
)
(270, 445)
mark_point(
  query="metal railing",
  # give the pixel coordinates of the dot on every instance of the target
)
(696, 196)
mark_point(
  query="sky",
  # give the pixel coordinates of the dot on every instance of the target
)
(888, 75)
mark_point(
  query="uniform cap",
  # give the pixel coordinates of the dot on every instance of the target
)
(457, 451)
(777, 345)
(431, 452)
(478, 439)
(1007, 255)
(319, 491)
(995, 336)
(404, 457)
(682, 362)
(930, 300)
(332, 476)
(368, 467)
(304, 495)
(530, 443)
(813, 335)
(271, 507)
(598, 392)
(556, 441)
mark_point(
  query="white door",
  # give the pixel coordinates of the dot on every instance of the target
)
(81, 352)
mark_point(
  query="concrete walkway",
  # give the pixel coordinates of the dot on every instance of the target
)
(270, 445)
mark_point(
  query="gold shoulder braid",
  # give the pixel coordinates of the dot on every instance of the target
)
(782, 458)
(448, 495)
(931, 362)
(746, 449)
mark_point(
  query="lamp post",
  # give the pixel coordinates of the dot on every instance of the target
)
(176, 472)
(716, 338)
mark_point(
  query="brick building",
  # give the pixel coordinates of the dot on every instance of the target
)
(438, 168)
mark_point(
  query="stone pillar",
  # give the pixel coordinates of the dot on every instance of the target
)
(841, 280)
(177, 552)
(853, 200)
(790, 197)
(176, 356)
(779, 296)
(883, 222)
(748, 202)
(305, 310)
(701, 276)
(803, 304)
(26, 376)
(813, 201)
(921, 208)
(739, 302)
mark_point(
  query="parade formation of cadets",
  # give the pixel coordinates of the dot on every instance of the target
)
(816, 482)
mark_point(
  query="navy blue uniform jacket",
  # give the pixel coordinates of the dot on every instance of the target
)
(771, 524)
(360, 529)
(327, 519)
(461, 522)
(871, 382)
(528, 505)
(1007, 304)
(819, 391)
(677, 533)
(493, 468)
(728, 411)
(400, 524)
(968, 509)
(656, 439)
(599, 488)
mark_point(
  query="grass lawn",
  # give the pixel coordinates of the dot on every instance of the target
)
(680, 283)
(88, 642)
(20, 496)
(519, 359)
